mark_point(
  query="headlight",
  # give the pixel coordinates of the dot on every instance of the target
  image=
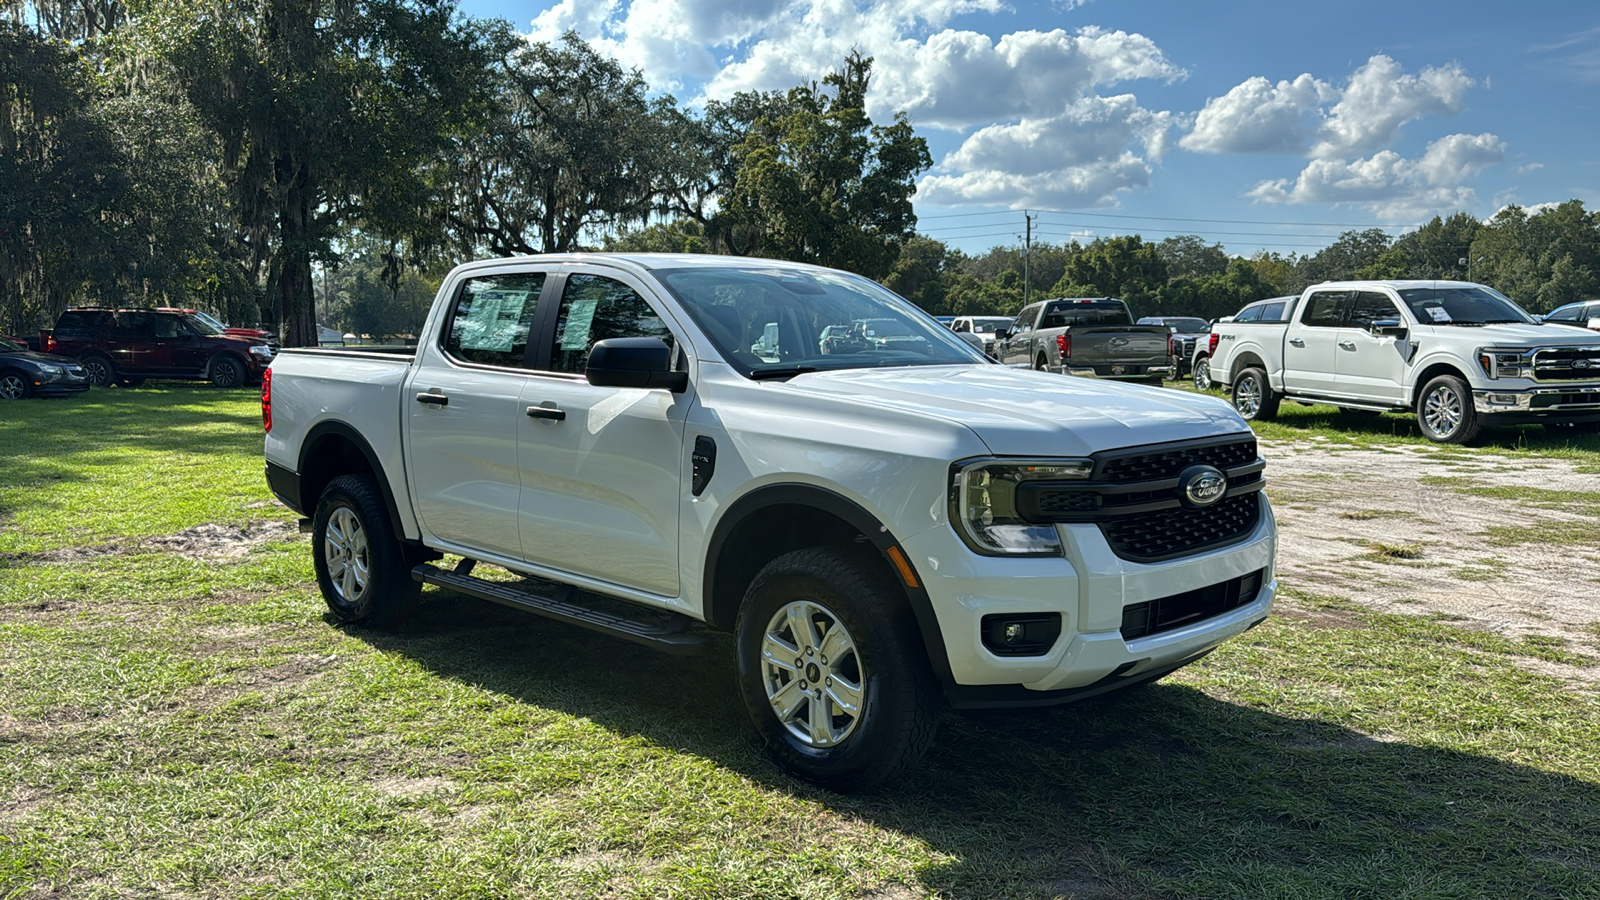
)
(262, 351)
(48, 369)
(983, 504)
(1498, 364)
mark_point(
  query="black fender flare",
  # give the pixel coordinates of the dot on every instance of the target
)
(852, 514)
(343, 430)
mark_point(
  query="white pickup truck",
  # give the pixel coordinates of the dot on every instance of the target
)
(884, 527)
(1460, 355)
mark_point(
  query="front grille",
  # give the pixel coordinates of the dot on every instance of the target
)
(1567, 364)
(1167, 613)
(1136, 497)
(1153, 466)
(1177, 532)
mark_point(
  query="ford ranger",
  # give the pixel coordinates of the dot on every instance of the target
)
(661, 446)
(1458, 355)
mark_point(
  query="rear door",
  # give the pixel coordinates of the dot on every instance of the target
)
(1311, 344)
(1372, 367)
(464, 411)
(601, 467)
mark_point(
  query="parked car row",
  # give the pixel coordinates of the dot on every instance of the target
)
(28, 373)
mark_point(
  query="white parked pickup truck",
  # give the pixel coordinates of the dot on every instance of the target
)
(885, 527)
(1460, 355)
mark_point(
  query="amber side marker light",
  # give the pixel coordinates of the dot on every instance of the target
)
(903, 567)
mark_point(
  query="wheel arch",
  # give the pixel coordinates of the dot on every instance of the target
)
(331, 449)
(773, 520)
(1246, 360)
(1433, 370)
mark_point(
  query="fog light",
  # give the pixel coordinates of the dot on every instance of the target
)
(1503, 399)
(1029, 634)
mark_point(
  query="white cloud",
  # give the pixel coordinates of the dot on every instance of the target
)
(1380, 98)
(1390, 184)
(1079, 158)
(1257, 116)
(1530, 167)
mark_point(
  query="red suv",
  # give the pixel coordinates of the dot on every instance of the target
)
(126, 346)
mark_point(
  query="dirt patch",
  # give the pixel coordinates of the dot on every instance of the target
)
(1470, 548)
(208, 541)
(413, 787)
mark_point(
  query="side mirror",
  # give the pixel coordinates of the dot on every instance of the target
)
(643, 362)
(1392, 327)
(1002, 332)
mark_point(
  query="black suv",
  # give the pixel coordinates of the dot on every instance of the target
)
(126, 346)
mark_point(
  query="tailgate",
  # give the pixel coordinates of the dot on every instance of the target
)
(1119, 344)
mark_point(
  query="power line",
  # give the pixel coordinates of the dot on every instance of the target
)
(1288, 234)
(1072, 212)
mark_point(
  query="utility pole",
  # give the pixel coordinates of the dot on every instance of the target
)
(1027, 259)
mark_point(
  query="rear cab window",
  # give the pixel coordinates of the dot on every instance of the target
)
(492, 318)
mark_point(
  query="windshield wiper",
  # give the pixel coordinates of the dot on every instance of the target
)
(781, 371)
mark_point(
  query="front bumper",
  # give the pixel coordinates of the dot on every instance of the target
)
(1090, 587)
(45, 385)
(1568, 403)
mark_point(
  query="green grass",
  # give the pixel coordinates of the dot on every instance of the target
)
(198, 727)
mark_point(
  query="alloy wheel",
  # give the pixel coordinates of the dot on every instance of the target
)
(1247, 396)
(348, 555)
(13, 387)
(812, 673)
(1442, 410)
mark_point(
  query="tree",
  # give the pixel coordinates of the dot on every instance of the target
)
(1440, 248)
(1543, 260)
(681, 236)
(823, 184)
(1123, 267)
(327, 111)
(1189, 256)
(918, 273)
(1344, 259)
(574, 143)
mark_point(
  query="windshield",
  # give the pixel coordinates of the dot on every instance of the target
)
(778, 321)
(202, 323)
(7, 345)
(1464, 305)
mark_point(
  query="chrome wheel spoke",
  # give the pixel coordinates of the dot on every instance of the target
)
(821, 724)
(835, 645)
(787, 699)
(801, 627)
(776, 651)
(809, 659)
(846, 695)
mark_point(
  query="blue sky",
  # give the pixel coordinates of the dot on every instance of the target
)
(1256, 125)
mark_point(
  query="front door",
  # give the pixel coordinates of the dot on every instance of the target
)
(1017, 350)
(1372, 367)
(1311, 342)
(464, 413)
(601, 467)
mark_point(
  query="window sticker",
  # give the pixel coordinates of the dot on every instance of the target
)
(580, 316)
(1438, 314)
(491, 322)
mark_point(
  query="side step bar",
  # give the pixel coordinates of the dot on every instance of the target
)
(670, 636)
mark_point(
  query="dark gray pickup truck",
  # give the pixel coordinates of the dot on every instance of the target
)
(1086, 336)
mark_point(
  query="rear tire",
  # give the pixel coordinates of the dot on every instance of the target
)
(100, 370)
(363, 570)
(876, 708)
(1041, 364)
(1202, 375)
(1254, 397)
(15, 386)
(1445, 412)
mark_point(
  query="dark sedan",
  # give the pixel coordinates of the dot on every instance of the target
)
(28, 373)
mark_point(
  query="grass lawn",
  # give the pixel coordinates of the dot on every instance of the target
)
(179, 718)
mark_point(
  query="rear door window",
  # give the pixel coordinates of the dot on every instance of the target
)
(492, 318)
(1323, 309)
(1250, 314)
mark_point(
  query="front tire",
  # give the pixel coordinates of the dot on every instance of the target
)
(15, 386)
(1254, 397)
(1445, 412)
(832, 669)
(226, 372)
(362, 569)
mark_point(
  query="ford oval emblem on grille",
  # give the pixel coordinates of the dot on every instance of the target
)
(1202, 485)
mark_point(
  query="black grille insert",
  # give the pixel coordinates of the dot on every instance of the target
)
(1159, 464)
(1177, 532)
(1166, 613)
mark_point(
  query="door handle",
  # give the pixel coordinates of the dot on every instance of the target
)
(433, 397)
(1347, 345)
(547, 412)
(1297, 342)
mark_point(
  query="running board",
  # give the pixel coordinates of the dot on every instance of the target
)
(671, 636)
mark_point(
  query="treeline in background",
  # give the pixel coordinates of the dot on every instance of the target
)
(285, 162)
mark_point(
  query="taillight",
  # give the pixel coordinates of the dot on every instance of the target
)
(1172, 345)
(266, 399)
(1211, 345)
(1064, 344)
(49, 343)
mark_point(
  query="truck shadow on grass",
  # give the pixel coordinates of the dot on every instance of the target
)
(1160, 791)
(1373, 430)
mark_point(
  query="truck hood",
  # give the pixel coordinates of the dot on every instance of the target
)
(1019, 412)
(1524, 335)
